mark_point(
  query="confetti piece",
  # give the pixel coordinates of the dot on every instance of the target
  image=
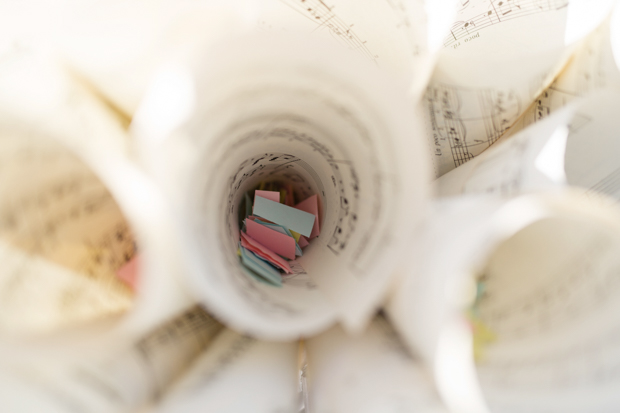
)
(296, 235)
(311, 206)
(292, 218)
(260, 269)
(128, 273)
(265, 253)
(280, 243)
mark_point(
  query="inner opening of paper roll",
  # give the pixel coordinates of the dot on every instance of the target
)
(63, 239)
(313, 157)
(549, 311)
(269, 111)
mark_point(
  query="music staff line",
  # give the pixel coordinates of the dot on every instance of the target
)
(499, 12)
(497, 111)
(321, 14)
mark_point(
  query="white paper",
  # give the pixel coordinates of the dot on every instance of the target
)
(398, 36)
(575, 146)
(497, 59)
(373, 372)
(592, 68)
(119, 374)
(238, 374)
(118, 45)
(554, 254)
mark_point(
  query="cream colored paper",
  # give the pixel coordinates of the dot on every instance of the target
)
(236, 374)
(373, 372)
(74, 207)
(592, 68)
(120, 374)
(547, 262)
(576, 146)
(497, 59)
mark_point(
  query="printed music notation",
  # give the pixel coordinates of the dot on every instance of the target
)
(548, 102)
(468, 121)
(593, 360)
(609, 185)
(506, 170)
(585, 283)
(318, 12)
(499, 11)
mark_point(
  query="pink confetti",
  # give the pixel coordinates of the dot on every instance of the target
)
(128, 273)
(311, 206)
(275, 241)
(265, 253)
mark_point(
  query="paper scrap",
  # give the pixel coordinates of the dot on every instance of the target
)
(270, 195)
(303, 242)
(296, 235)
(128, 273)
(264, 253)
(292, 218)
(260, 269)
(281, 230)
(311, 206)
(280, 243)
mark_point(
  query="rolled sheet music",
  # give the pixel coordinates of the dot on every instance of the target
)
(236, 374)
(575, 146)
(71, 373)
(497, 58)
(266, 108)
(529, 285)
(74, 208)
(372, 372)
(119, 45)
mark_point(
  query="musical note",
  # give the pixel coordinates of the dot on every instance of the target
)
(499, 11)
(466, 129)
(321, 14)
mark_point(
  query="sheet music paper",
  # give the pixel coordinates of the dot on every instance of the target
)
(118, 46)
(63, 235)
(119, 374)
(493, 65)
(238, 373)
(536, 308)
(592, 68)
(73, 208)
(398, 36)
(372, 372)
(576, 146)
(330, 131)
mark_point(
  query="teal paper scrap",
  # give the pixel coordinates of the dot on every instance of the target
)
(289, 217)
(260, 269)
